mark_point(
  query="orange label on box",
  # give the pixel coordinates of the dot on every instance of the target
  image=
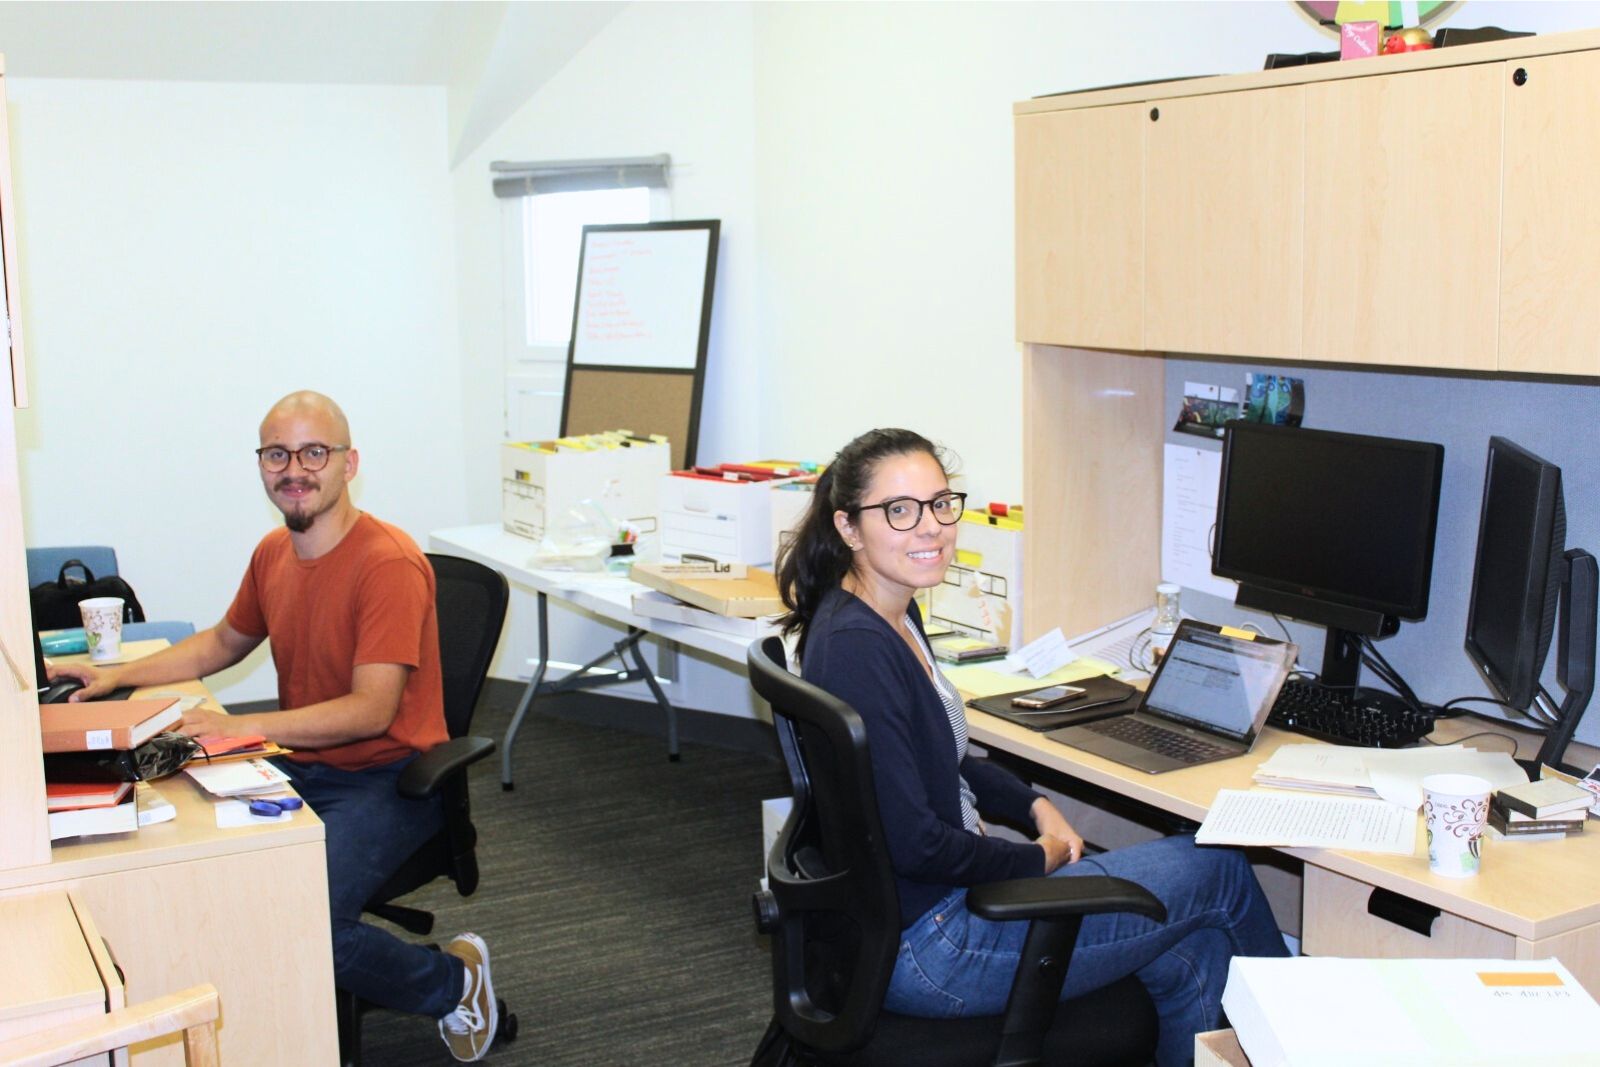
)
(1519, 978)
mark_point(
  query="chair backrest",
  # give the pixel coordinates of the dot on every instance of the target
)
(471, 600)
(838, 927)
(44, 564)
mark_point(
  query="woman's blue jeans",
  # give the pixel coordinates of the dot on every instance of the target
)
(954, 963)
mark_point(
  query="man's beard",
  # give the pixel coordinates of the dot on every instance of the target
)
(301, 519)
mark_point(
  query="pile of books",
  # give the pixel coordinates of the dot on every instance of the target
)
(1547, 808)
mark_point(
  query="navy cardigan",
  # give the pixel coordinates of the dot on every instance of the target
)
(854, 654)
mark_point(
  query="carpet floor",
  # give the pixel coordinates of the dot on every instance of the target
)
(615, 899)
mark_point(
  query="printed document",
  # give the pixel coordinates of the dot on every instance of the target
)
(1354, 824)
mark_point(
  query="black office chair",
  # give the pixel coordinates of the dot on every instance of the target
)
(471, 600)
(834, 916)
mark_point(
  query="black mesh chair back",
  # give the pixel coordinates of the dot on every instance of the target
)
(829, 871)
(471, 600)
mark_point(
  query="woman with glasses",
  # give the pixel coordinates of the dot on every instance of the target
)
(880, 527)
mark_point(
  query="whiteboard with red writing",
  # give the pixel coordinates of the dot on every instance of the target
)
(644, 296)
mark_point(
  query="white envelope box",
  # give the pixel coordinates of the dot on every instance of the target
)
(789, 503)
(728, 521)
(538, 487)
(982, 590)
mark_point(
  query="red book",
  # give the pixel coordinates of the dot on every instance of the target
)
(69, 796)
(101, 724)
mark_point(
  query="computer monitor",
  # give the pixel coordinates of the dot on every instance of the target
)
(1329, 528)
(1522, 532)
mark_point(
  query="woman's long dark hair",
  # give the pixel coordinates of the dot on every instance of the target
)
(818, 559)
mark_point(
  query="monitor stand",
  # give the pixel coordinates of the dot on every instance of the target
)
(1341, 671)
(1574, 657)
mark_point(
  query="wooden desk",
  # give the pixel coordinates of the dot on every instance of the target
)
(182, 902)
(1533, 900)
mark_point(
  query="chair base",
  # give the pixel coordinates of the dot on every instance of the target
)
(1110, 1027)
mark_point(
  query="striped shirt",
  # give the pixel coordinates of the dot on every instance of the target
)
(958, 727)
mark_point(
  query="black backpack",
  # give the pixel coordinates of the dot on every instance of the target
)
(55, 604)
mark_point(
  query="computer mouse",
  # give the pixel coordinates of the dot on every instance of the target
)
(59, 690)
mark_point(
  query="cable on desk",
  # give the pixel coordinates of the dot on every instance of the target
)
(1481, 733)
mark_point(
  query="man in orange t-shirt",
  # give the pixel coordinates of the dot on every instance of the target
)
(348, 603)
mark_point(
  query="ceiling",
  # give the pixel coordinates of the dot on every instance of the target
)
(491, 55)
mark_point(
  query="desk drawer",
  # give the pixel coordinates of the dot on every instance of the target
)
(1336, 922)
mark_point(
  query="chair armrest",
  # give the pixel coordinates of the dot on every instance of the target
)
(1052, 898)
(425, 774)
(193, 1011)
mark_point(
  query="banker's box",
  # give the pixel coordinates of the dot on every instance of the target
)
(538, 487)
(982, 590)
(728, 521)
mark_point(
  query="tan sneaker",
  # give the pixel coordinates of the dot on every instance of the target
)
(469, 1030)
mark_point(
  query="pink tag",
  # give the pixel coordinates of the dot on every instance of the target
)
(1358, 40)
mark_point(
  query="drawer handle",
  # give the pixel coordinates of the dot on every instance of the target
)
(1414, 915)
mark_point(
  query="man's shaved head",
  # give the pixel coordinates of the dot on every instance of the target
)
(306, 402)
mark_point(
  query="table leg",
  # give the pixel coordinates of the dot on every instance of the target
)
(534, 685)
(661, 698)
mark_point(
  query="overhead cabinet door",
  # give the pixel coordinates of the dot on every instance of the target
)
(1550, 240)
(1403, 218)
(1080, 227)
(1224, 178)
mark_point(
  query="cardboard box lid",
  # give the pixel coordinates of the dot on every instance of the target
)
(750, 597)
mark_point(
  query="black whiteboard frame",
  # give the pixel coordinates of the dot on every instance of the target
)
(713, 228)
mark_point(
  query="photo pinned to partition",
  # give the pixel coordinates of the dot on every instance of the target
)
(1271, 398)
(1206, 408)
(1275, 399)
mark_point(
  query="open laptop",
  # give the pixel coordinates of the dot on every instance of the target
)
(57, 692)
(1207, 701)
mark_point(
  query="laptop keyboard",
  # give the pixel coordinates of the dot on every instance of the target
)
(1156, 739)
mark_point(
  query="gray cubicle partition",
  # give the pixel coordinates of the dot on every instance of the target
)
(1555, 418)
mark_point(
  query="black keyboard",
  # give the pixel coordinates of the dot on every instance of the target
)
(1163, 742)
(1365, 718)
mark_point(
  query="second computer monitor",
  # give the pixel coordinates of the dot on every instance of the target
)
(1521, 534)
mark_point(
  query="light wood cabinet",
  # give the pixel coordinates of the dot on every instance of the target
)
(1550, 245)
(1080, 227)
(1224, 180)
(1402, 204)
(25, 840)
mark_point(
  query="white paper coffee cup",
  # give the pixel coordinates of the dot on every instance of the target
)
(1455, 808)
(102, 627)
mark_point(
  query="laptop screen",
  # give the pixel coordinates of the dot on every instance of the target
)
(1219, 682)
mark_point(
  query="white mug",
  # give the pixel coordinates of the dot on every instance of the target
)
(102, 627)
(1455, 808)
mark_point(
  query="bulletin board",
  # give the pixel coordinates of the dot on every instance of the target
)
(646, 402)
(641, 321)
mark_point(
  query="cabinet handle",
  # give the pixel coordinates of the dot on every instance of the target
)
(1414, 915)
(1519, 76)
(1155, 112)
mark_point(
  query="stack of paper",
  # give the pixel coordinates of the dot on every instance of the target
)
(1261, 818)
(1319, 1012)
(237, 779)
(1394, 774)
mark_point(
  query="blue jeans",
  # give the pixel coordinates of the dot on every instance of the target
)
(371, 830)
(954, 963)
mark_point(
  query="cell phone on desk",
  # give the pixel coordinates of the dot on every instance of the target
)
(1054, 696)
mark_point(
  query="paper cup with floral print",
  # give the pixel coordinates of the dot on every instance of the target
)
(102, 627)
(1455, 808)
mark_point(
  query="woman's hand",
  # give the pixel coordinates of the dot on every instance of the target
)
(1061, 843)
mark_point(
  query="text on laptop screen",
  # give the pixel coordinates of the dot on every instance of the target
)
(1217, 681)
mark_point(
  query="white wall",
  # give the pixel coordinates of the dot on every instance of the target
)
(189, 253)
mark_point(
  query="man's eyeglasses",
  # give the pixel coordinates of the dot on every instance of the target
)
(274, 459)
(905, 512)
